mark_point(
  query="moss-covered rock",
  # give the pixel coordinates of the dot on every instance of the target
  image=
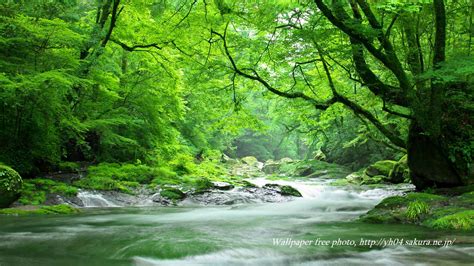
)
(289, 191)
(370, 180)
(172, 193)
(38, 210)
(400, 172)
(10, 185)
(435, 211)
(250, 160)
(284, 190)
(463, 220)
(271, 167)
(380, 168)
(313, 169)
(35, 191)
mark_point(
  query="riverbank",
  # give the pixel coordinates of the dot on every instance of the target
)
(247, 181)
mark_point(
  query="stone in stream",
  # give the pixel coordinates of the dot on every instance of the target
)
(222, 185)
(283, 190)
(250, 160)
(380, 168)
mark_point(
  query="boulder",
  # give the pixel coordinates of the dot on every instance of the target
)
(380, 168)
(250, 160)
(319, 155)
(285, 160)
(172, 193)
(355, 177)
(271, 167)
(222, 185)
(400, 172)
(10, 186)
(283, 190)
(369, 180)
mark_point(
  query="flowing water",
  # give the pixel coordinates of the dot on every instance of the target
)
(318, 229)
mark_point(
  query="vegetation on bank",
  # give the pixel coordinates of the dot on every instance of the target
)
(431, 210)
(40, 210)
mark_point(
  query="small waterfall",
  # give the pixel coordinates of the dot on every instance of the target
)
(94, 199)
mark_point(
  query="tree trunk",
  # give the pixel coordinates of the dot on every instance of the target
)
(428, 161)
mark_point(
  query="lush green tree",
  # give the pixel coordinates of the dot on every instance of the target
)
(373, 58)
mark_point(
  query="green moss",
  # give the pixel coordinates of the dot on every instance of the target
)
(250, 160)
(10, 185)
(69, 166)
(34, 191)
(370, 180)
(313, 169)
(203, 184)
(54, 209)
(104, 183)
(425, 197)
(459, 221)
(128, 172)
(380, 168)
(172, 193)
(426, 209)
(289, 191)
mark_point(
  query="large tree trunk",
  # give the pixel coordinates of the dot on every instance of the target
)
(429, 162)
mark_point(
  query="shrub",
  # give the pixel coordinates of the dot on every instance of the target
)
(10, 185)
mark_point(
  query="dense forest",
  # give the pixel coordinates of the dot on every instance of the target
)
(180, 96)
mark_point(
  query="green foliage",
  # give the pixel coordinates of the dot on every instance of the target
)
(172, 193)
(34, 191)
(459, 221)
(53, 209)
(10, 185)
(69, 166)
(126, 172)
(416, 209)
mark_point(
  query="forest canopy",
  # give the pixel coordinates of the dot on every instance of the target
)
(149, 82)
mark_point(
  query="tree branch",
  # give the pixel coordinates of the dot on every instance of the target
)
(255, 76)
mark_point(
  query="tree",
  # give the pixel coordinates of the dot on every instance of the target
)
(403, 64)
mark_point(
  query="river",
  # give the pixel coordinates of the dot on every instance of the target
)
(318, 229)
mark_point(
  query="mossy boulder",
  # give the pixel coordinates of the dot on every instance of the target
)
(463, 220)
(10, 185)
(380, 168)
(250, 160)
(434, 211)
(172, 193)
(370, 180)
(400, 172)
(314, 169)
(283, 190)
(289, 191)
(271, 167)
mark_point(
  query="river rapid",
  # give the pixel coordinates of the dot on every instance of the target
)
(317, 229)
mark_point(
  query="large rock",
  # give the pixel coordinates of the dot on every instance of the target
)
(283, 190)
(271, 167)
(10, 186)
(250, 160)
(380, 168)
(355, 177)
(400, 172)
(319, 155)
(172, 193)
(222, 185)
